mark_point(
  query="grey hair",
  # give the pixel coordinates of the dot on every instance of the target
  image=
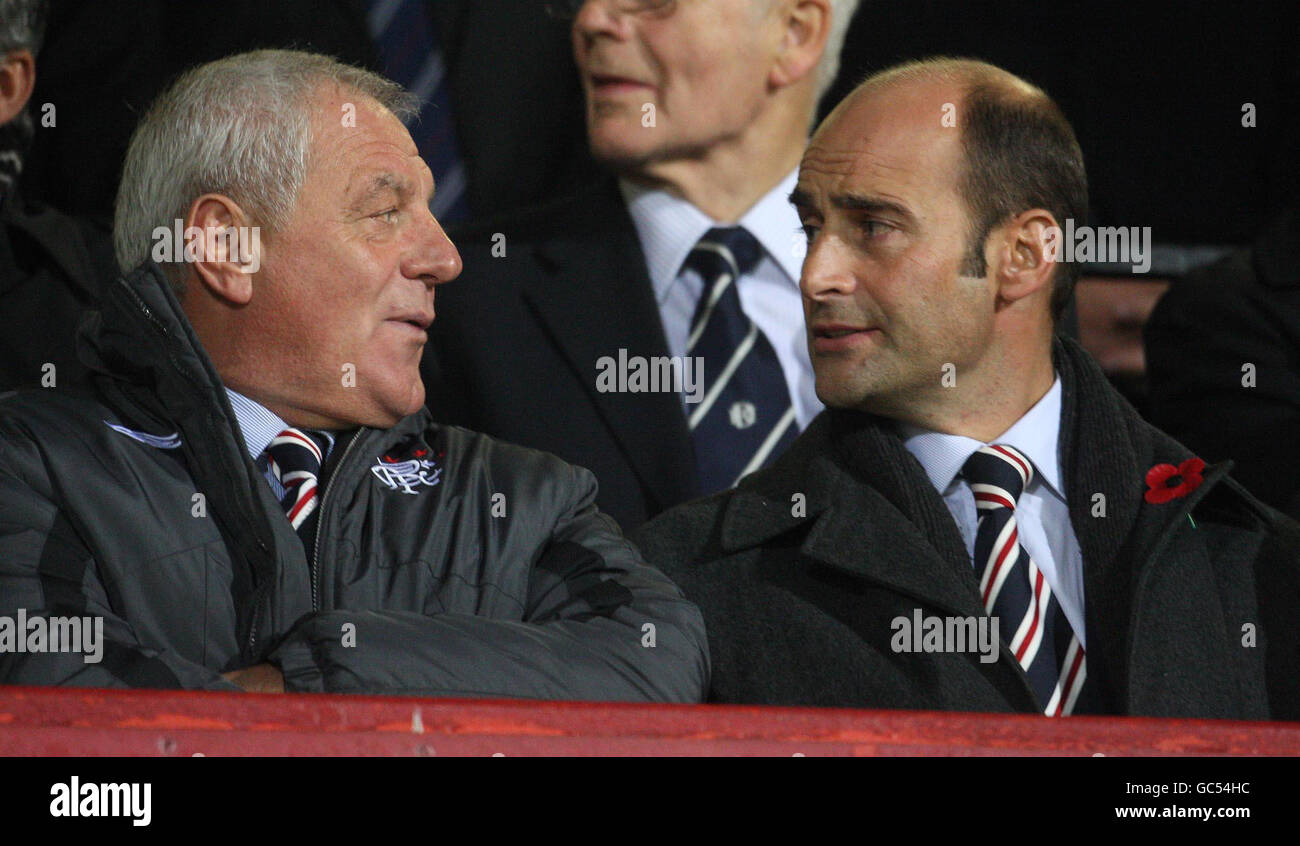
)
(239, 126)
(828, 67)
(22, 25)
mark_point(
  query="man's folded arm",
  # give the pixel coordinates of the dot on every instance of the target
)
(47, 572)
(597, 624)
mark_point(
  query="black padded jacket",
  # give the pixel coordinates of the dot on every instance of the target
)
(445, 563)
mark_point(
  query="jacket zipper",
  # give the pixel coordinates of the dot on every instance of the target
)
(320, 523)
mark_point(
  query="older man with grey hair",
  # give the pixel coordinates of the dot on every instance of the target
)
(683, 264)
(252, 496)
(52, 266)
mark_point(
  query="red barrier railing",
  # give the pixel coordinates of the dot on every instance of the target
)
(70, 721)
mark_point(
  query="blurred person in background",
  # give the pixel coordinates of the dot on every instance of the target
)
(500, 101)
(1223, 354)
(686, 254)
(52, 266)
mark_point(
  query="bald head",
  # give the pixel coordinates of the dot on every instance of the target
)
(1017, 150)
(961, 74)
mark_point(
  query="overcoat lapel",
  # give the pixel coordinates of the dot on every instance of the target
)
(594, 298)
(1099, 451)
(905, 537)
(1144, 595)
(874, 515)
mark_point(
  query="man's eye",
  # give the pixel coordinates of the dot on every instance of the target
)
(389, 216)
(809, 231)
(875, 228)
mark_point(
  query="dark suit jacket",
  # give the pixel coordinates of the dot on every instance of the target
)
(801, 570)
(104, 62)
(52, 268)
(1243, 309)
(514, 350)
(516, 100)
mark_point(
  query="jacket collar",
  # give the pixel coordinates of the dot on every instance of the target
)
(140, 343)
(150, 367)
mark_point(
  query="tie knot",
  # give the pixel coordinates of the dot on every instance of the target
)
(725, 249)
(296, 451)
(997, 475)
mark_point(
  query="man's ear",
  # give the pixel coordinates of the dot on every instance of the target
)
(807, 24)
(1023, 255)
(17, 78)
(222, 249)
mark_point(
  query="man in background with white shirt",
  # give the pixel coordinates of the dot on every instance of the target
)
(701, 111)
(974, 474)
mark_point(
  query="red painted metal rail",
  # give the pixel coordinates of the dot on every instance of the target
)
(45, 721)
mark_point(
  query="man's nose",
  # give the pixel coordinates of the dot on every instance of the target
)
(598, 17)
(435, 258)
(827, 269)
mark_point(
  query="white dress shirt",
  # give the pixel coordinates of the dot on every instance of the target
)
(669, 227)
(1042, 514)
(260, 426)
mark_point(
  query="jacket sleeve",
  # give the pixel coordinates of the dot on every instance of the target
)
(597, 624)
(47, 571)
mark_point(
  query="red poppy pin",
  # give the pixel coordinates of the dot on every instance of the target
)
(1166, 482)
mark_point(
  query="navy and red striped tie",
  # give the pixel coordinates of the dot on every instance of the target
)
(295, 457)
(1013, 588)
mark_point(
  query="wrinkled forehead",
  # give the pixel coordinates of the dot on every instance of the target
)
(354, 137)
(344, 118)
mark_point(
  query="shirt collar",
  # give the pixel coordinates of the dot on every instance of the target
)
(1036, 434)
(669, 227)
(775, 223)
(258, 423)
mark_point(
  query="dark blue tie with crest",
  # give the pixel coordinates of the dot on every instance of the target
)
(745, 418)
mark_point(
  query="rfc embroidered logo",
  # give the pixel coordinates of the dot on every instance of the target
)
(408, 475)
